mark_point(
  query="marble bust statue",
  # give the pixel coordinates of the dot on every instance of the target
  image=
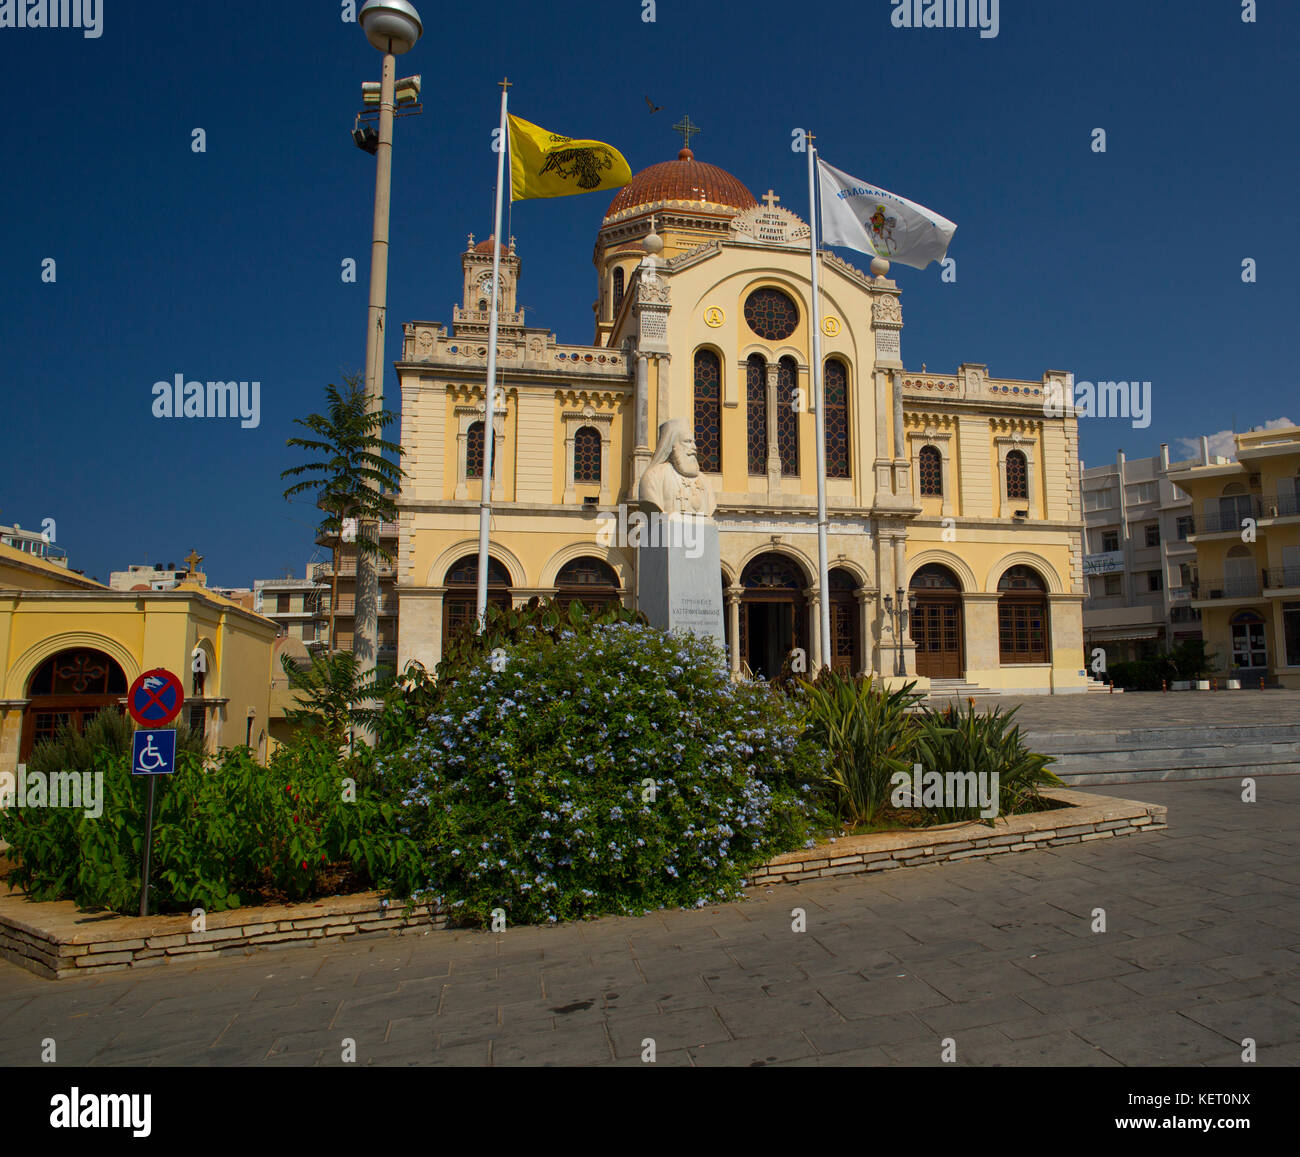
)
(672, 482)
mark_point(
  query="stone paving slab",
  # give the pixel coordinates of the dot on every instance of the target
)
(999, 956)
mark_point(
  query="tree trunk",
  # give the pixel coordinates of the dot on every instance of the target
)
(334, 585)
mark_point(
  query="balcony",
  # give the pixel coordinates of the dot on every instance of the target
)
(1280, 578)
(1279, 506)
(1224, 521)
(321, 571)
(1216, 587)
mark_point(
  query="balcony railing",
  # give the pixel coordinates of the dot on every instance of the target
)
(1279, 506)
(1229, 587)
(1217, 521)
(347, 568)
(1280, 577)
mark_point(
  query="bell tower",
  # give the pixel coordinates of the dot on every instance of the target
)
(472, 316)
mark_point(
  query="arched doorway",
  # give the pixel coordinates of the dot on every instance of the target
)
(1023, 632)
(590, 581)
(1249, 645)
(845, 647)
(772, 614)
(460, 603)
(936, 624)
(71, 687)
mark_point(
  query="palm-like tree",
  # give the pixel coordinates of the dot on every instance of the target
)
(355, 474)
(333, 693)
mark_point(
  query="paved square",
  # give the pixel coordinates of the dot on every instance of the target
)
(1202, 950)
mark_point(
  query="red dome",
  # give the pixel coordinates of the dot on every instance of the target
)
(488, 245)
(684, 179)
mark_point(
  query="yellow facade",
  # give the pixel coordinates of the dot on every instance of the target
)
(1247, 518)
(924, 501)
(52, 620)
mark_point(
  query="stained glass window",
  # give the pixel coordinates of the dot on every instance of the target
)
(835, 388)
(787, 417)
(756, 413)
(474, 452)
(708, 410)
(586, 455)
(930, 467)
(771, 314)
(1017, 475)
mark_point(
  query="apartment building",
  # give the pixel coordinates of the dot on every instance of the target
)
(1139, 558)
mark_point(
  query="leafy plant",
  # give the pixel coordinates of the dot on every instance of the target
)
(959, 742)
(351, 478)
(599, 768)
(868, 734)
(334, 694)
(110, 730)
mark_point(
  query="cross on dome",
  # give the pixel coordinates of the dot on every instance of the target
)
(687, 130)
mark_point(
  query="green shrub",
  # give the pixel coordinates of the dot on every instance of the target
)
(528, 789)
(225, 837)
(73, 750)
(957, 742)
(868, 733)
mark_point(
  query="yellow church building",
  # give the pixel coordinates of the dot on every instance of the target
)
(70, 648)
(955, 492)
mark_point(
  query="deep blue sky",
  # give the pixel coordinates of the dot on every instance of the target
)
(226, 265)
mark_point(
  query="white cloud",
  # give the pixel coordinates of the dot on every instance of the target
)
(1221, 444)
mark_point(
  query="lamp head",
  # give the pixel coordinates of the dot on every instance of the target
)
(391, 25)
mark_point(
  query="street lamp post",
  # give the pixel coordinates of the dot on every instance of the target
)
(900, 610)
(393, 27)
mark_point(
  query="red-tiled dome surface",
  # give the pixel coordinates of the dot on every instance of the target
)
(488, 245)
(684, 179)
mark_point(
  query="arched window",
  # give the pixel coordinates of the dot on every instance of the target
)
(474, 452)
(708, 410)
(69, 688)
(929, 465)
(787, 416)
(1017, 475)
(1023, 626)
(460, 602)
(586, 455)
(835, 389)
(756, 413)
(618, 290)
(590, 581)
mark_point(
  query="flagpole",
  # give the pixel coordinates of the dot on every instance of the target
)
(815, 379)
(490, 396)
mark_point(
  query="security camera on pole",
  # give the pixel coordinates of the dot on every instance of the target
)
(393, 27)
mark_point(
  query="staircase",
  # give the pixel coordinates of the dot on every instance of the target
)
(1160, 753)
(942, 690)
(1096, 686)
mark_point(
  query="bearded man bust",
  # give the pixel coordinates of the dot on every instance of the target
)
(672, 483)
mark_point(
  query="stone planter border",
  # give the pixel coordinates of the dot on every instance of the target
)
(1086, 817)
(56, 940)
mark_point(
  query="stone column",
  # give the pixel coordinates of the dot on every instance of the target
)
(641, 451)
(813, 597)
(866, 635)
(773, 450)
(733, 596)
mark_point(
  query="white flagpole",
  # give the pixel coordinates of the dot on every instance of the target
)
(490, 395)
(815, 379)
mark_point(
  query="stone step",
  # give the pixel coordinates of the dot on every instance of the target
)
(1152, 754)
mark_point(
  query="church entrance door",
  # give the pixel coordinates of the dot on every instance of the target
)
(937, 623)
(773, 614)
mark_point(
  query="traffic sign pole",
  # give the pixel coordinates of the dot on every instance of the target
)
(153, 701)
(148, 847)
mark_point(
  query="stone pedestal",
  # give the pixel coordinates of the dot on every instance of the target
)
(679, 577)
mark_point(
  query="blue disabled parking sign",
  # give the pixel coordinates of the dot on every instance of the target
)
(154, 752)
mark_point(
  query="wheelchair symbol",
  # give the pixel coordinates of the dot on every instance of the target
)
(151, 759)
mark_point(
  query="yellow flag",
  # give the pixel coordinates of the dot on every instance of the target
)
(546, 164)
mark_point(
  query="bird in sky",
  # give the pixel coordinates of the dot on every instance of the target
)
(654, 108)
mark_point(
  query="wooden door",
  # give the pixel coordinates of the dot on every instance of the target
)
(936, 631)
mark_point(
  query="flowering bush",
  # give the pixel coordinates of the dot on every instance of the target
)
(610, 769)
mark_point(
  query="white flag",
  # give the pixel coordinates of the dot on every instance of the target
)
(871, 220)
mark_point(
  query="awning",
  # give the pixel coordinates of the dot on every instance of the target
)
(1116, 634)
